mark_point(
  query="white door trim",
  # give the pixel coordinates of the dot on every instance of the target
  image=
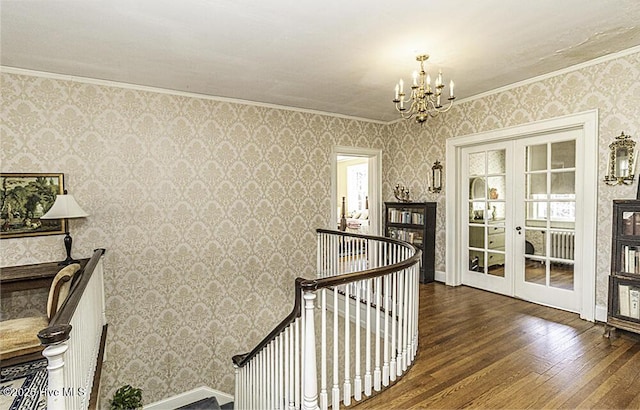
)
(588, 121)
(375, 184)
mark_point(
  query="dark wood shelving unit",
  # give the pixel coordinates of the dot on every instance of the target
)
(414, 222)
(623, 310)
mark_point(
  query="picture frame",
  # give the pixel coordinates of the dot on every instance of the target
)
(24, 198)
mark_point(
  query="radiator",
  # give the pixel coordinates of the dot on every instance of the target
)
(563, 245)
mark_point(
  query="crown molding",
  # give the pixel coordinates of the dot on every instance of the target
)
(566, 70)
(136, 87)
(95, 81)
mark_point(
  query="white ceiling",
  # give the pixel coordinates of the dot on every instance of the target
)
(334, 56)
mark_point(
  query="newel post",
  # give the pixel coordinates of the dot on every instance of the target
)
(310, 375)
(55, 338)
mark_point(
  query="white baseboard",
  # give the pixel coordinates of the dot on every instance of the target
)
(191, 396)
(440, 276)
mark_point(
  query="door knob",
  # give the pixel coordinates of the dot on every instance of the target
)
(519, 229)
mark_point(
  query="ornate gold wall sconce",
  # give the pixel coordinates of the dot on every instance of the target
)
(622, 161)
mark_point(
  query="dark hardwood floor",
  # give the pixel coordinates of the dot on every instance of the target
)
(486, 351)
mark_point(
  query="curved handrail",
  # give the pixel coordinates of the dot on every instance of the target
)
(315, 284)
(59, 328)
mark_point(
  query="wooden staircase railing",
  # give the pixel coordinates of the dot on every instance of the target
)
(366, 286)
(74, 342)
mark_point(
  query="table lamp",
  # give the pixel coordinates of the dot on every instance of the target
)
(65, 207)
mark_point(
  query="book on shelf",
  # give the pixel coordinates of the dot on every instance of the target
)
(407, 236)
(630, 259)
(634, 303)
(636, 223)
(623, 300)
(405, 217)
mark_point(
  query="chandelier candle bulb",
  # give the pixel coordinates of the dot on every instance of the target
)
(423, 101)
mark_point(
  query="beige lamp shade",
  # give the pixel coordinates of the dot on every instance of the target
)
(65, 206)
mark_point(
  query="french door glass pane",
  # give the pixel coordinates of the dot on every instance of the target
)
(476, 237)
(563, 183)
(477, 188)
(537, 157)
(561, 276)
(496, 264)
(535, 242)
(496, 212)
(476, 163)
(563, 154)
(496, 163)
(536, 186)
(535, 271)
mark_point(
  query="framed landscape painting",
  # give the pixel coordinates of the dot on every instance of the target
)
(24, 198)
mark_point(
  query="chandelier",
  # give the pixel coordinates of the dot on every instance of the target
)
(424, 101)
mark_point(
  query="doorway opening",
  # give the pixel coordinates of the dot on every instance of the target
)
(356, 190)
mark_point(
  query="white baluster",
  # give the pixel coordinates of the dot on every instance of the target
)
(357, 381)
(377, 374)
(310, 388)
(394, 321)
(367, 371)
(386, 348)
(346, 388)
(263, 379)
(405, 317)
(335, 392)
(237, 390)
(410, 317)
(324, 399)
(401, 324)
(417, 312)
(292, 354)
(302, 349)
(296, 369)
(274, 381)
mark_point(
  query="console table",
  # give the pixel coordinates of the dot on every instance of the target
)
(24, 277)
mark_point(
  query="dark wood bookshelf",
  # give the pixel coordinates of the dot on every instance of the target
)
(623, 310)
(414, 222)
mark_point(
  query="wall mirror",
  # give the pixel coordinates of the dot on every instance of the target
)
(622, 161)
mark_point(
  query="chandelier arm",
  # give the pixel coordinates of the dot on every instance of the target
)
(406, 116)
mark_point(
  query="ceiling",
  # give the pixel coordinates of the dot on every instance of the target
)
(341, 57)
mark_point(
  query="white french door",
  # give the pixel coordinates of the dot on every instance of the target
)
(545, 237)
(489, 219)
(520, 226)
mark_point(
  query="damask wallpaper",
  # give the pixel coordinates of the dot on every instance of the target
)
(207, 209)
